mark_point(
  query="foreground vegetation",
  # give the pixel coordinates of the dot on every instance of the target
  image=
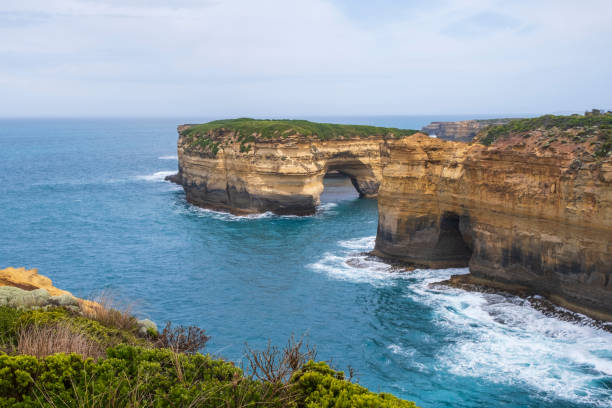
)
(54, 357)
(596, 129)
(246, 131)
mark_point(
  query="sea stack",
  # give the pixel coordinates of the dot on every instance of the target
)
(252, 166)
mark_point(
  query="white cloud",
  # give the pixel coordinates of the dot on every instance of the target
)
(279, 57)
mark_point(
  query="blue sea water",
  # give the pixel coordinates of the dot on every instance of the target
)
(84, 201)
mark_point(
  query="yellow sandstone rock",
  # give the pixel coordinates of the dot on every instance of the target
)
(29, 279)
(523, 213)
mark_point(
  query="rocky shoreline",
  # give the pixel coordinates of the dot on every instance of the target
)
(556, 308)
(527, 204)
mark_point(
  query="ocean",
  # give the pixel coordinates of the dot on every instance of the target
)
(85, 202)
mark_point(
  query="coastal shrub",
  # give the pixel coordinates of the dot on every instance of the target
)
(318, 386)
(562, 123)
(276, 365)
(8, 319)
(182, 339)
(134, 376)
(24, 326)
(245, 130)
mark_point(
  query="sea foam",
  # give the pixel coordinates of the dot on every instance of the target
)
(499, 338)
(157, 176)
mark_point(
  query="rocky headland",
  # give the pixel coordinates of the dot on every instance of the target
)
(461, 131)
(527, 206)
(251, 166)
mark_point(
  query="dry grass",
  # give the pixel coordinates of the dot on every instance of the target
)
(106, 310)
(42, 341)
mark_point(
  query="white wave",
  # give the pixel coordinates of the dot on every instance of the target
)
(157, 176)
(364, 244)
(500, 338)
(505, 340)
(169, 157)
(326, 206)
(221, 215)
(353, 266)
(225, 216)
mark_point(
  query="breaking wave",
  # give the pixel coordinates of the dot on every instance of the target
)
(157, 176)
(495, 337)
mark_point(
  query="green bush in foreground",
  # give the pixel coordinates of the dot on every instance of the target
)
(132, 376)
(320, 386)
(129, 369)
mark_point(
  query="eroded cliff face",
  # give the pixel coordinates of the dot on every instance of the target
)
(281, 174)
(461, 131)
(529, 212)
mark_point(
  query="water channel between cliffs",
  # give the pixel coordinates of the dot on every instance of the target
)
(112, 222)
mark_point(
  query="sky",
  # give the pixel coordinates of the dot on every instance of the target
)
(272, 58)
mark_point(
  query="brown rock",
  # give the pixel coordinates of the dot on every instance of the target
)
(518, 217)
(283, 176)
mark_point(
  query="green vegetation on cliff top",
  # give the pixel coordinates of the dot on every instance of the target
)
(598, 127)
(271, 128)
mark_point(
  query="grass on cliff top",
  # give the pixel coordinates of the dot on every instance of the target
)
(591, 123)
(273, 128)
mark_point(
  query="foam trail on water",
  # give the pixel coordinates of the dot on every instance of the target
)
(169, 157)
(351, 264)
(225, 216)
(499, 338)
(157, 176)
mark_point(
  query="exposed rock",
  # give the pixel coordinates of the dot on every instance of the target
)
(20, 298)
(64, 300)
(462, 131)
(224, 169)
(28, 279)
(533, 211)
(27, 289)
(145, 326)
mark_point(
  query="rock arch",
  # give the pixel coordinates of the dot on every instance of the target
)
(284, 177)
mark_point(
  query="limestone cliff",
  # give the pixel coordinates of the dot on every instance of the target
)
(532, 210)
(462, 131)
(250, 166)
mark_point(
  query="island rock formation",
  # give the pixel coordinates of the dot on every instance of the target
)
(251, 166)
(529, 208)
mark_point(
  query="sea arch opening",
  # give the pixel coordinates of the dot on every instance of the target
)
(362, 176)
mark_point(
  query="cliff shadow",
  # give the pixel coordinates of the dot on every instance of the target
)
(365, 181)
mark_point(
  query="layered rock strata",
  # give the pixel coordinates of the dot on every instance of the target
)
(246, 171)
(532, 211)
(461, 131)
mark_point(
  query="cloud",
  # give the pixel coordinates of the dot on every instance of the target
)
(482, 23)
(275, 57)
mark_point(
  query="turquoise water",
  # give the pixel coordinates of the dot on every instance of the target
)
(84, 201)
